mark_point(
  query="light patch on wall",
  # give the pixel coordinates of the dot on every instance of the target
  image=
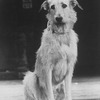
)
(27, 4)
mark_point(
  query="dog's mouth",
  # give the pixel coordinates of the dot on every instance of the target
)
(59, 27)
(59, 24)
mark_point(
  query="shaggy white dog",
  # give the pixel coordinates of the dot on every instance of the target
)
(56, 56)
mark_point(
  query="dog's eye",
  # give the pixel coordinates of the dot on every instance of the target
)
(64, 5)
(53, 7)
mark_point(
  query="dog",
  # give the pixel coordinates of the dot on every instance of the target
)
(56, 56)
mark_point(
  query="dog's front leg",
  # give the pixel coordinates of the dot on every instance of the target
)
(49, 85)
(68, 79)
(68, 85)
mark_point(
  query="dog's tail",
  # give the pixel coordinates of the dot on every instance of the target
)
(29, 86)
(32, 87)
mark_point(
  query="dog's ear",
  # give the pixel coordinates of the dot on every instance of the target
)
(75, 3)
(45, 5)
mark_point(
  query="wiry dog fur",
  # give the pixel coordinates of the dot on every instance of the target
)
(56, 56)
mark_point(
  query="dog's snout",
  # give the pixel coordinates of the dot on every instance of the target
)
(59, 19)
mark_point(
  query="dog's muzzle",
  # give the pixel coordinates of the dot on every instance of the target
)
(59, 25)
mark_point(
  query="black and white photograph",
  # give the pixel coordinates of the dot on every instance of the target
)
(49, 50)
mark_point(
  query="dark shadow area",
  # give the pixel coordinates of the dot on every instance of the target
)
(21, 27)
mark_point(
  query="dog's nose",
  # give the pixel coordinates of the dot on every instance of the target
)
(59, 19)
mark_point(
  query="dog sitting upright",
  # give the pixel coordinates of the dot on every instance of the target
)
(56, 56)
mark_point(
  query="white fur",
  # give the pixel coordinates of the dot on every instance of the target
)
(56, 57)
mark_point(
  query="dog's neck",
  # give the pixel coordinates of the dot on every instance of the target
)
(67, 38)
(60, 37)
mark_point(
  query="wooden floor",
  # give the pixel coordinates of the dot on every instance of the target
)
(82, 89)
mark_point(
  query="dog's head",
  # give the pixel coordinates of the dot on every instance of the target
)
(61, 14)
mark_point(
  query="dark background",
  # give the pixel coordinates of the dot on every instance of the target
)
(21, 29)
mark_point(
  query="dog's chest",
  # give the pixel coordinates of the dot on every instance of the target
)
(59, 73)
(60, 68)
